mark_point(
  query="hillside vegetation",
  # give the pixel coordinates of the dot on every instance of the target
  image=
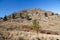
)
(48, 23)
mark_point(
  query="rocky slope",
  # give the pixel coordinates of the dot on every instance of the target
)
(47, 21)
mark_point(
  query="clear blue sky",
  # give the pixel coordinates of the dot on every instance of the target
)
(9, 6)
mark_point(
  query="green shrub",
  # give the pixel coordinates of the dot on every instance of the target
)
(35, 25)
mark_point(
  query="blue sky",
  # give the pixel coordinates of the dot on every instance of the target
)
(9, 6)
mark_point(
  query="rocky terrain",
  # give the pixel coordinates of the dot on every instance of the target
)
(18, 25)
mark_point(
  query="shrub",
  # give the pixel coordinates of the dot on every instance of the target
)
(5, 18)
(46, 15)
(1, 18)
(52, 13)
(57, 39)
(56, 14)
(13, 16)
(21, 15)
(38, 39)
(20, 38)
(28, 18)
(35, 24)
(36, 12)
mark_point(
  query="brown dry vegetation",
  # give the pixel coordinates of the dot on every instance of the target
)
(11, 29)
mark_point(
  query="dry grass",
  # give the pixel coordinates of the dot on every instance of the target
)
(16, 35)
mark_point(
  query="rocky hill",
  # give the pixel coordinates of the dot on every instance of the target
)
(22, 21)
(47, 20)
